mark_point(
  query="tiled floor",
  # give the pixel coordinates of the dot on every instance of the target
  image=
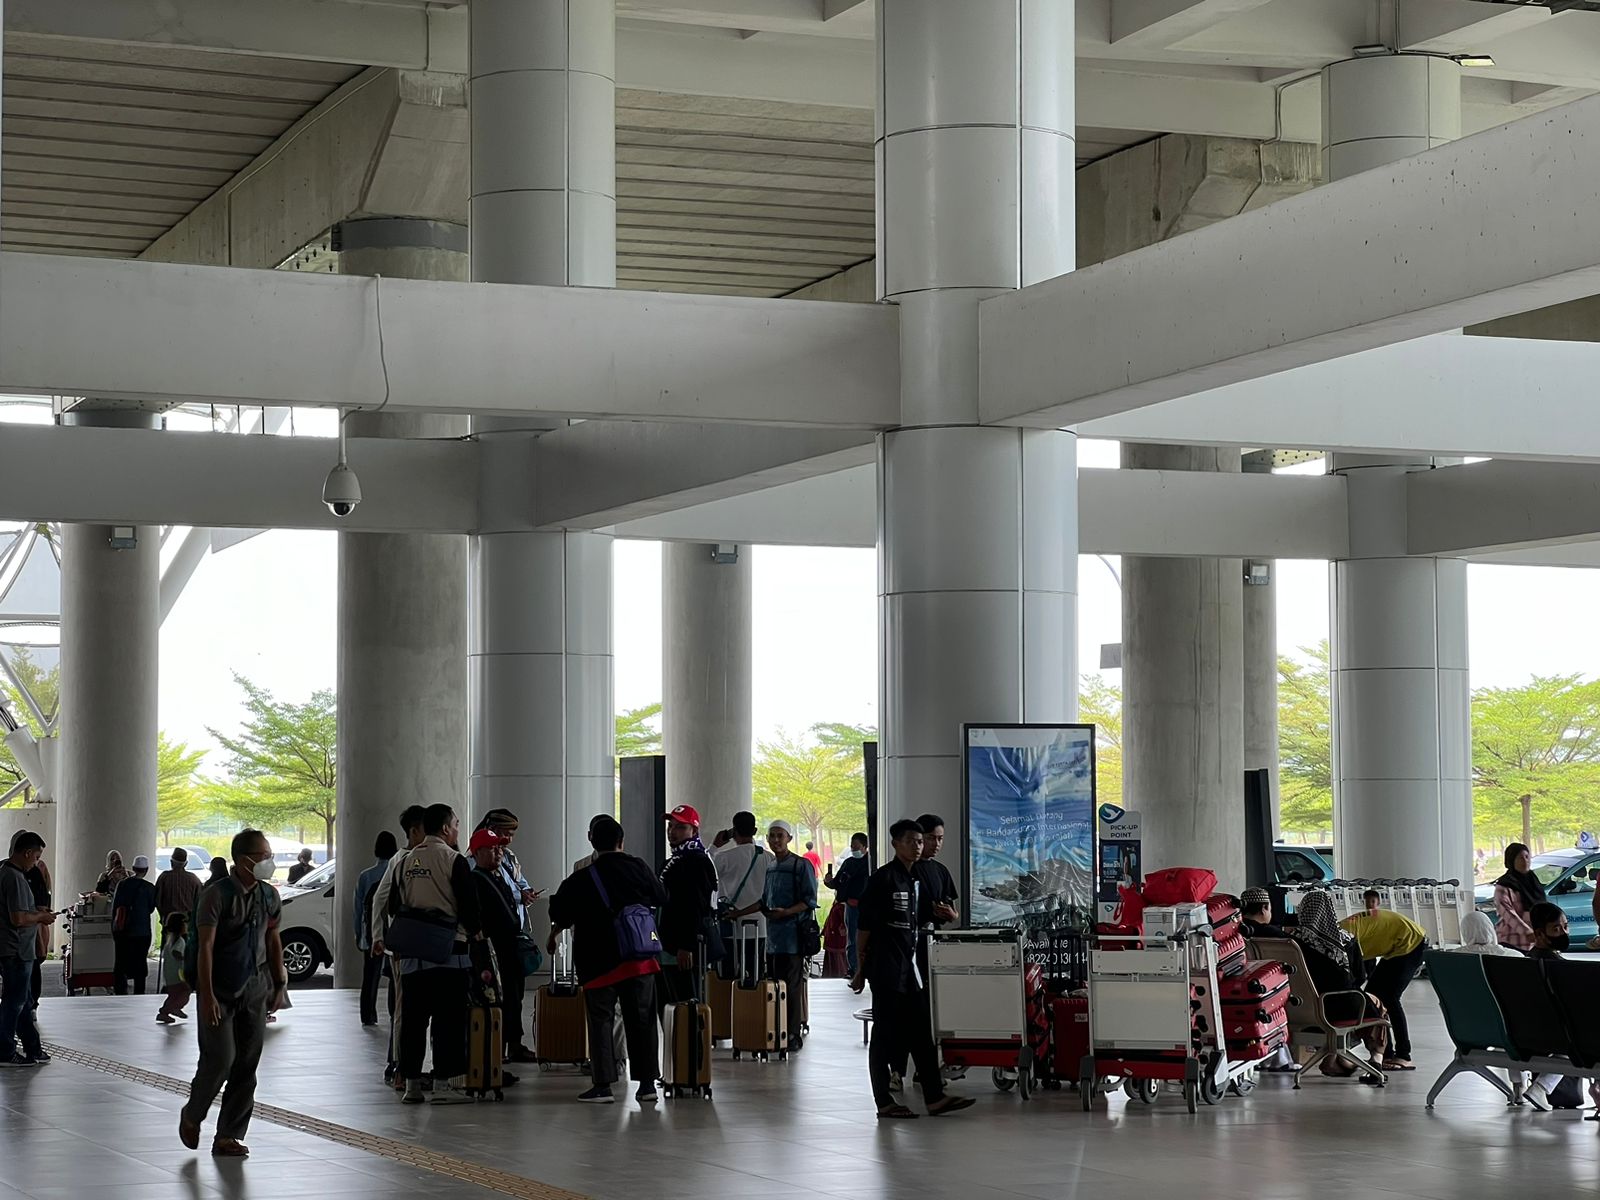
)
(806, 1125)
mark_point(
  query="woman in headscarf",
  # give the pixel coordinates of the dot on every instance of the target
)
(1478, 937)
(1515, 894)
(1334, 960)
(115, 874)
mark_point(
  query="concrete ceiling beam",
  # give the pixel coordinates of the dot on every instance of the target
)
(1383, 257)
(81, 327)
(1501, 506)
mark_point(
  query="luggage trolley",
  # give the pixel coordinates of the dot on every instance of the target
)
(1155, 1014)
(978, 980)
(89, 958)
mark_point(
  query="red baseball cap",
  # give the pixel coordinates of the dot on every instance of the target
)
(685, 814)
(485, 837)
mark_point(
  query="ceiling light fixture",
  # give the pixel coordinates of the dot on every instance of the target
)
(1474, 60)
(1371, 50)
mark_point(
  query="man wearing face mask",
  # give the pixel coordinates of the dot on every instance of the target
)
(239, 976)
(849, 883)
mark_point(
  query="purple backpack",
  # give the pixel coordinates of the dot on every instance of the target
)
(635, 926)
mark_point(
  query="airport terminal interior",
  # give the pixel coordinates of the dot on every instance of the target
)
(725, 274)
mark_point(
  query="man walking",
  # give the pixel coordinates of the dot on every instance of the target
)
(177, 888)
(849, 884)
(239, 974)
(892, 914)
(131, 907)
(791, 892)
(20, 923)
(588, 902)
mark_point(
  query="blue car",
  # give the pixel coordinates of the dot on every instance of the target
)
(1300, 864)
(1569, 878)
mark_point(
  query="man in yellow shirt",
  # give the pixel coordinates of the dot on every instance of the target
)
(1398, 944)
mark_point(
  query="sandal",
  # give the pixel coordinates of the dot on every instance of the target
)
(950, 1104)
(229, 1148)
(1398, 1064)
(896, 1112)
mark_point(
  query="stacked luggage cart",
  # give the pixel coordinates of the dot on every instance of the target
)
(88, 960)
(988, 1005)
(1438, 906)
(1157, 1010)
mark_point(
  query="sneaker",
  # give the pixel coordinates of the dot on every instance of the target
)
(597, 1095)
(507, 1078)
(163, 1019)
(18, 1060)
(646, 1094)
(449, 1092)
(180, 1014)
(1535, 1095)
(41, 1056)
(413, 1093)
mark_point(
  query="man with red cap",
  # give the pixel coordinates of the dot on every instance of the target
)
(501, 925)
(690, 880)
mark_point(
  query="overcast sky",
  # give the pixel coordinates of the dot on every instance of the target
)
(266, 608)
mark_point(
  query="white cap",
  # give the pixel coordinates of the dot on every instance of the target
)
(141, 862)
(783, 825)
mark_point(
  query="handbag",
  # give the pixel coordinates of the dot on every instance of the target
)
(635, 926)
(809, 934)
(426, 934)
(532, 956)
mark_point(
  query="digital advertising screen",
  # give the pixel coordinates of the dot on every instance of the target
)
(1030, 824)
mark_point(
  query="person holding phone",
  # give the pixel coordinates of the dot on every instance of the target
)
(20, 922)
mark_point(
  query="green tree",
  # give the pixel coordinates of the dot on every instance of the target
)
(1100, 705)
(1536, 758)
(639, 731)
(179, 800)
(843, 739)
(1305, 742)
(283, 760)
(45, 688)
(813, 785)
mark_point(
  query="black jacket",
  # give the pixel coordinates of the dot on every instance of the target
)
(577, 906)
(690, 881)
(499, 915)
(850, 880)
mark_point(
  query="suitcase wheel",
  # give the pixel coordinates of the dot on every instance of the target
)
(736, 1055)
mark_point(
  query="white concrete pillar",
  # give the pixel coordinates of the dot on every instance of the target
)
(707, 607)
(110, 650)
(1402, 713)
(402, 681)
(978, 527)
(1260, 644)
(1183, 692)
(543, 211)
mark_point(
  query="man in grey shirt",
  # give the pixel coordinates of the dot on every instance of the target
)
(19, 946)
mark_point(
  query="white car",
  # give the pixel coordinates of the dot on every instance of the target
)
(306, 926)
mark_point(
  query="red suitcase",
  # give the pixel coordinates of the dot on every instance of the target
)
(1230, 955)
(1223, 913)
(1179, 885)
(1247, 1025)
(1262, 1006)
(1069, 1034)
(1260, 978)
(1257, 1048)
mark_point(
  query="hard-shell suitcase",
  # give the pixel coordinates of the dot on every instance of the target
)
(561, 1024)
(686, 1030)
(1231, 955)
(1223, 913)
(1251, 1049)
(485, 1047)
(719, 996)
(1069, 1035)
(1241, 1025)
(1261, 1006)
(760, 1006)
(1259, 978)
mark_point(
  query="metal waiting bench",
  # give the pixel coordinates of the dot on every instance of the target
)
(1517, 1014)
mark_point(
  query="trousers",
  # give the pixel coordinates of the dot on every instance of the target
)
(637, 999)
(16, 1007)
(230, 1053)
(1388, 980)
(902, 1024)
(436, 1002)
(131, 963)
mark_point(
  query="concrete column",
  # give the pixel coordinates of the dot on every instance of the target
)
(706, 648)
(1183, 692)
(1402, 712)
(110, 650)
(543, 211)
(1261, 661)
(402, 682)
(978, 538)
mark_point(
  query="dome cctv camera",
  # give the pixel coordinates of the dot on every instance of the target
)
(341, 491)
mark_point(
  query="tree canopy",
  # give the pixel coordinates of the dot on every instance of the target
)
(44, 685)
(639, 731)
(179, 800)
(283, 762)
(815, 785)
(1100, 704)
(1536, 759)
(1305, 742)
